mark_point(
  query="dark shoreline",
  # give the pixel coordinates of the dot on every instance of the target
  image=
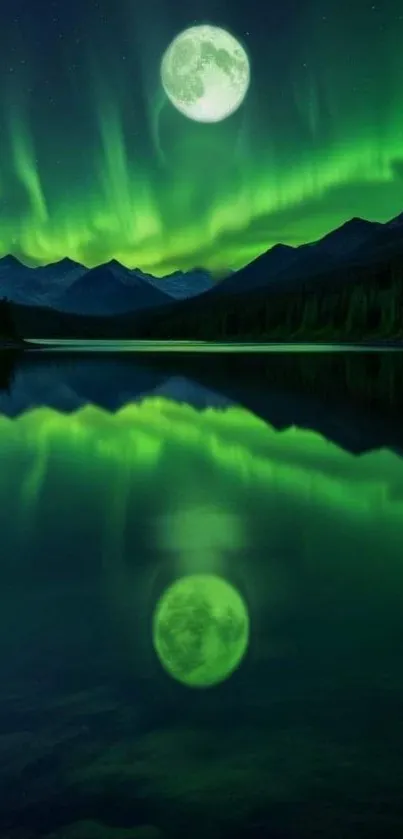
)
(29, 345)
(19, 345)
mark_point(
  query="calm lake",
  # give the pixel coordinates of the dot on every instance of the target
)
(270, 707)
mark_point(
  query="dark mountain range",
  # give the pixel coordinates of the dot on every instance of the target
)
(397, 221)
(345, 239)
(282, 265)
(259, 273)
(59, 274)
(347, 286)
(68, 286)
(41, 286)
(181, 285)
(60, 268)
(386, 242)
(10, 262)
(12, 278)
(108, 289)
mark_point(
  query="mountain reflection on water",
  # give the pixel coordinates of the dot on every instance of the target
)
(282, 476)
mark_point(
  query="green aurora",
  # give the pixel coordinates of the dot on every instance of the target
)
(96, 164)
(214, 485)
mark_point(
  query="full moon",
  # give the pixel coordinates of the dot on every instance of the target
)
(205, 73)
(200, 630)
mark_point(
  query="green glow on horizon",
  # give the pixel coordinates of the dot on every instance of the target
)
(158, 192)
(200, 630)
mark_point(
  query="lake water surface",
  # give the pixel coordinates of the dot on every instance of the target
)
(282, 476)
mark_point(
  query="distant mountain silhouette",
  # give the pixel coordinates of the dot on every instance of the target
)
(385, 243)
(183, 284)
(12, 274)
(41, 286)
(56, 272)
(10, 261)
(259, 273)
(397, 221)
(278, 267)
(109, 289)
(346, 286)
(343, 240)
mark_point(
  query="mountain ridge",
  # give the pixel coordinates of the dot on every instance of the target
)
(361, 254)
(61, 286)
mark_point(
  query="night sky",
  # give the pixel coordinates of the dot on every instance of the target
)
(95, 163)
